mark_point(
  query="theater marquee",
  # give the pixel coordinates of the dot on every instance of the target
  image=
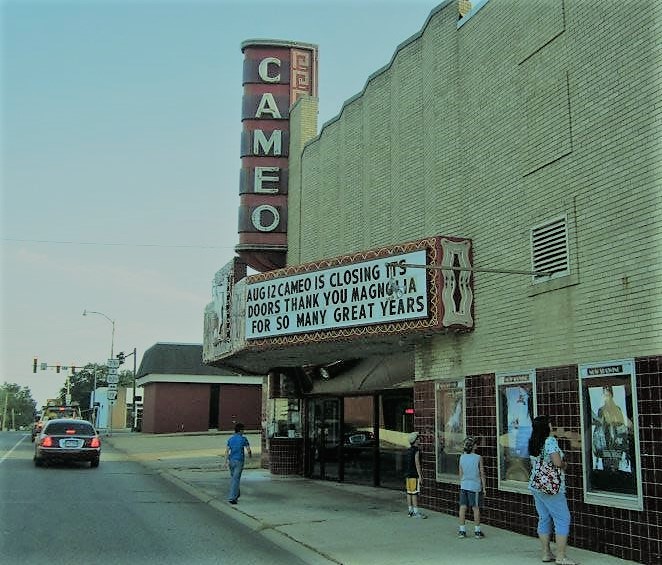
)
(371, 290)
(368, 292)
(379, 299)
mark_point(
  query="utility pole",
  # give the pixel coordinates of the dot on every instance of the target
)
(122, 357)
(4, 413)
(134, 418)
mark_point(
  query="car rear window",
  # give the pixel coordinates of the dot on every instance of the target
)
(60, 428)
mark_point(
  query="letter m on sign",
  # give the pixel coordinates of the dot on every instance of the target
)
(264, 146)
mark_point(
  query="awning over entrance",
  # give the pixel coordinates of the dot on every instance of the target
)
(372, 374)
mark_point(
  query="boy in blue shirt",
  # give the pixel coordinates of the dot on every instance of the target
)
(234, 460)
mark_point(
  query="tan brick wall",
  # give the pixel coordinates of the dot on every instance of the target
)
(303, 127)
(529, 111)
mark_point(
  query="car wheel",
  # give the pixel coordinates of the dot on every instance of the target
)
(38, 462)
(94, 463)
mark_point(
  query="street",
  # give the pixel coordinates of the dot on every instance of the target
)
(118, 513)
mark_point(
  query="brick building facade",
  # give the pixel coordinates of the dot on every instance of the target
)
(530, 130)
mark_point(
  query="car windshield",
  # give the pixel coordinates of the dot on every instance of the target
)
(61, 428)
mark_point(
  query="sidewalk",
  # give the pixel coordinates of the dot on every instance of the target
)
(324, 522)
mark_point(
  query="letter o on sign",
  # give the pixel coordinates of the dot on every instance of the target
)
(256, 218)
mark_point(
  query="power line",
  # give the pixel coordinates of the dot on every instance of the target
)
(111, 244)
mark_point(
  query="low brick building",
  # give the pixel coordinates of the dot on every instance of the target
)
(183, 395)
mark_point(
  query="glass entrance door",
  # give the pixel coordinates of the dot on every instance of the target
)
(323, 453)
(359, 439)
(396, 422)
(359, 447)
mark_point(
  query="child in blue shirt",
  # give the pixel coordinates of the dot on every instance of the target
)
(234, 454)
(472, 485)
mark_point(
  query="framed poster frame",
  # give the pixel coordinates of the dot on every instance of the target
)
(516, 407)
(611, 457)
(450, 427)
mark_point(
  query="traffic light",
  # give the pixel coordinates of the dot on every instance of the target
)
(57, 368)
(121, 357)
(34, 365)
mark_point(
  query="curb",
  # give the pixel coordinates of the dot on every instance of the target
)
(305, 553)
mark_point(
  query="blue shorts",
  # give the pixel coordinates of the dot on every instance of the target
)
(470, 498)
(552, 509)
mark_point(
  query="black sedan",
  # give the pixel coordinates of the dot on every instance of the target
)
(66, 439)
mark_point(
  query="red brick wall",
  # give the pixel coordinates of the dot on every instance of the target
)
(628, 534)
(149, 408)
(240, 403)
(176, 407)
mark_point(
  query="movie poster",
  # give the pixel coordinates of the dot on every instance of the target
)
(609, 430)
(451, 426)
(515, 413)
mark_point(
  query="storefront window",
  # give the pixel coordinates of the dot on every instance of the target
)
(451, 427)
(283, 409)
(515, 413)
(612, 468)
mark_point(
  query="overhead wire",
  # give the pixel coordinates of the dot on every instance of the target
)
(116, 244)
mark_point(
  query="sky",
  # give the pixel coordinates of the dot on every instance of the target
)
(120, 124)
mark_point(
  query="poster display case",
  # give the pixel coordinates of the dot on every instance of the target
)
(610, 434)
(516, 409)
(450, 427)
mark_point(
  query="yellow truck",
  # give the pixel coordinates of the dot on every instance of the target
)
(55, 409)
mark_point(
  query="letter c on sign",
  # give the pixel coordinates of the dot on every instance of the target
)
(263, 69)
(256, 218)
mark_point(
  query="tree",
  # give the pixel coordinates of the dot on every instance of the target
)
(17, 407)
(82, 382)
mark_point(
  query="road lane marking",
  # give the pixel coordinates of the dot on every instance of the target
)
(12, 449)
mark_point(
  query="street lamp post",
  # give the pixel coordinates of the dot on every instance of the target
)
(112, 350)
(112, 337)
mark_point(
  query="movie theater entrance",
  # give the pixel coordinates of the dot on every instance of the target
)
(359, 439)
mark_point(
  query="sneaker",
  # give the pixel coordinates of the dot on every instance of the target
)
(419, 515)
(462, 535)
(479, 535)
(233, 501)
(410, 513)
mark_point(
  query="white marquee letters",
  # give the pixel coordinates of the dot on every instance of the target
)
(268, 106)
(256, 218)
(262, 175)
(263, 69)
(260, 141)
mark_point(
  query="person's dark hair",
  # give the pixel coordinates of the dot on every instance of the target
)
(238, 428)
(539, 434)
(469, 443)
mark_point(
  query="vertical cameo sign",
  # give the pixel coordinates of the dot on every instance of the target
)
(276, 74)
